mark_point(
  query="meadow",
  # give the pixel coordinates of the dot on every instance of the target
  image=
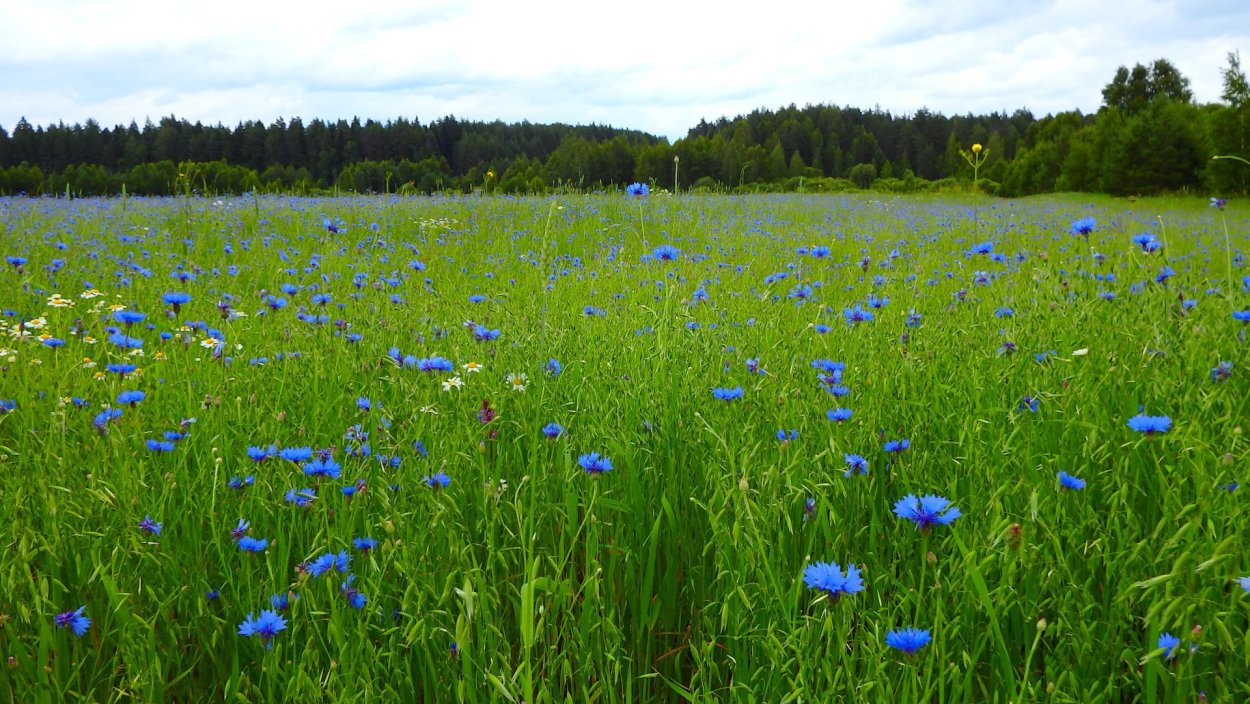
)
(624, 448)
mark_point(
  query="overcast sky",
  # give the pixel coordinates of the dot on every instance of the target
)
(658, 67)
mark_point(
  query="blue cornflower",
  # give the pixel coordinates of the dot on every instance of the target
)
(282, 601)
(783, 436)
(75, 620)
(908, 640)
(897, 445)
(1168, 643)
(637, 190)
(249, 544)
(724, 394)
(159, 446)
(321, 299)
(839, 415)
(240, 529)
(1004, 312)
(267, 626)
(553, 367)
(1067, 481)
(1028, 403)
(855, 463)
(176, 300)
(1244, 583)
(330, 561)
(260, 453)
(437, 480)
(926, 511)
(829, 578)
(820, 251)
(8, 405)
(353, 596)
(150, 526)
(1222, 371)
(593, 463)
(666, 253)
(120, 369)
(365, 544)
(857, 314)
(294, 454)
(299, 497)
(1242, 316)
(476, 298)
(103, 417)
(1150, 425)
(53, 342)
(131, 398)
(323, 467)
(128, 317)
(435, 364)
(1146, 241)
(553, 430)
(1082, 226)
(913, 320)
(16, 262)
(483, 334)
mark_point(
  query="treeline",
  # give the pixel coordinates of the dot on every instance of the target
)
(1149, 136)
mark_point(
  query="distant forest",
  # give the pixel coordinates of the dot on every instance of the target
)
(1148, 137)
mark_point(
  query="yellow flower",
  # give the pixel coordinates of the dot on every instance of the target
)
(56, 301)
(159, 355)
(452, 383)
(209, 343)
(99, 376)
(88, 363)
(90, 293)
(490, 174)
(473, 367)
(89, 340)
(116, 307)
(976, 149)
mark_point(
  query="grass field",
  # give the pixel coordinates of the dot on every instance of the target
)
(598, 448)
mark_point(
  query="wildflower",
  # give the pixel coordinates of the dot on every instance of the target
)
(129, 317)
(260, 453)
(1067, 481)
(1146, 241)
(160, 446)
(593, 463)
(1168, 643)
(267, 626)
(293, 454)
(75, 620)
(340, 561)
(839, 415)
(131, 398)
(1082, 227)
(637, 190)
(553, 367)
(483, 334)
(857, 314)
(240, 529)
(364, 544)
(666, 253)
(1150, 425)
(1222, 371)
(724, 394)
(829, 578)
(518, 380)
(1218, 203)
(1028, 403)
(282, 601)
(353, 596)
(908, 640)
(855, 463)
(897, 445)
(150, 526)
(299, 497)
(472, 367)
(249, 544)
(438, 480)
(452, 383)
(553, 430)
(926, 511)
(8, 405)
(809, 508)
(323, 467)
(1242, 316)
(1244, 583)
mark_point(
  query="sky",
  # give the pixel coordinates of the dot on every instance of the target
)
(657, 67)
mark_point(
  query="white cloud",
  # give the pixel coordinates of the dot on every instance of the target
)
(658, 69)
